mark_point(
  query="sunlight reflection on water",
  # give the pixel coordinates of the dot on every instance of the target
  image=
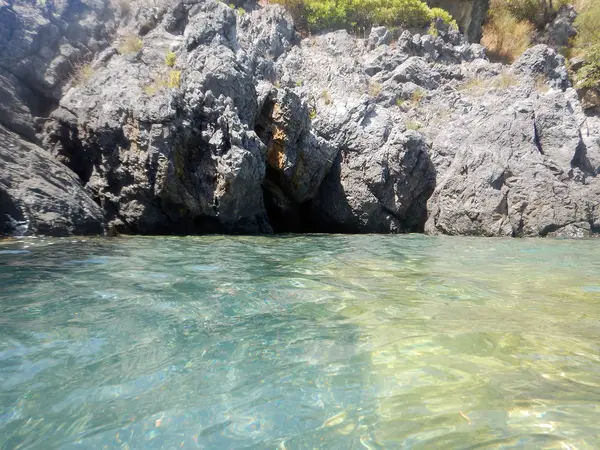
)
(329, 342)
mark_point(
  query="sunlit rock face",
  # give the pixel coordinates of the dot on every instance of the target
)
(197, 117)
(40, 49)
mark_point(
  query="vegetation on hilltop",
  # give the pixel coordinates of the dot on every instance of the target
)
(511, 25)
(316, 15)
(509, 29)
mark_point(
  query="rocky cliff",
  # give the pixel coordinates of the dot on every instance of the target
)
(193, 116)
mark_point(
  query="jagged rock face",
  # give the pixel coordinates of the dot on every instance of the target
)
(330, 133)
(560, 30)
(38, 195)
(515, 162)
(239, 146)
(176, 155)
(253, 130)
(40, 47)
(381, 190)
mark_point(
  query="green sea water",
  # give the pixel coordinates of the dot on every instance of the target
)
(299, 342)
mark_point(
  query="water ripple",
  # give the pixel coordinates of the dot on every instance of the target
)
(331, 342)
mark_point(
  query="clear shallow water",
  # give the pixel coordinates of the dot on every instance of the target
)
(328, 342)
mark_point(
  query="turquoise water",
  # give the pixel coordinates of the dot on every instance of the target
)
(309, 342)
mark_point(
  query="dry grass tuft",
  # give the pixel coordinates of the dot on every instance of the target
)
(473, 85)
(82, 73)
(504, 81)
(416, 97)
(170, 59)
(162, 82)
(174, 79)
(506, 38)
(477, 86)
(374, 89)
(130, 44)
(412, 125)
(326, 97)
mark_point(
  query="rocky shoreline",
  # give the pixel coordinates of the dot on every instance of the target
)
(195, 117)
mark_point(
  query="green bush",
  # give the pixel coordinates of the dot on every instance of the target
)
(170, 59)
(317, 15)
(589, 75)
(439, 13)
(324, 14)
(587, 23)
(588, 43)
(412, 13)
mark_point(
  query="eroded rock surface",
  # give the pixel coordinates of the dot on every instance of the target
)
(38, 195)
(41, 47)
(199, 117)
(514, 161)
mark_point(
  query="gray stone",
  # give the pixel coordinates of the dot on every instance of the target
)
(575, 230)
(541, 60)
(40, 196)
(560, 30)
(379, 36)
(382, 190)
(515, 163)
(41, 49)
(254, 130)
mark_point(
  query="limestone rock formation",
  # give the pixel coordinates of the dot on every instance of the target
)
(202, 117)
(38, 195)
(517, 163)
(173, 149)
(40, 48)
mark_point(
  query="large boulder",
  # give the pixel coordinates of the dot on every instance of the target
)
(38, 195)
(514, 163)
(379, 190)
